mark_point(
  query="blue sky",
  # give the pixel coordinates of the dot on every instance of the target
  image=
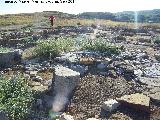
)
(81, 6)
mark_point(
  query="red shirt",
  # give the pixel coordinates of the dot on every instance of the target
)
(52, 18)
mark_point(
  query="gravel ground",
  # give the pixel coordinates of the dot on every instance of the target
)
(93, 90)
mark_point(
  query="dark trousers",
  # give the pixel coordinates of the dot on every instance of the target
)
(51, 22)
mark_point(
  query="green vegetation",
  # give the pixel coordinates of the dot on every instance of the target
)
(126, 16)
(28, 40)
(100, 45)
(4, 49)
(15, 97)
(40, 19)
(157, 40)
(54, 46)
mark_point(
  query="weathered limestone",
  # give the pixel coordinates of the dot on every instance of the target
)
(150, 81)
(157, 56)
(33, 73)
(110, 105)
(154, 94)
(92, 119)
(137, 101)
(9, 58)
(3, 116)
(65, 81)
(64, 116)
(87, 60)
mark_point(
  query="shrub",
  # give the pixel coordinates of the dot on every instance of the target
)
(65, 44)
(4, 49)
(27, 40)
(157, 40)
(15, 97)
(100, 45)
(45, 47)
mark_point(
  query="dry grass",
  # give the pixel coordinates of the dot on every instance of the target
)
(46, 75)
(21, 19)
(73, 22)
(15, 19)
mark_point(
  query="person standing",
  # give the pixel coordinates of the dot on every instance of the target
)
(52, 19)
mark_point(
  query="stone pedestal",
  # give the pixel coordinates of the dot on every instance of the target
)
(64, 82)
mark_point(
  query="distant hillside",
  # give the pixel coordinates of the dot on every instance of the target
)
(40, 20)
(126, 16)
(97, 15)
(29, 18)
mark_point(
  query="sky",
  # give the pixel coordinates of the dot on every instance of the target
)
(79, 6)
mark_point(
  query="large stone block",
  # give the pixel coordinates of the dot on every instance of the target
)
(64, 82)
(9, 58)
(136, 101)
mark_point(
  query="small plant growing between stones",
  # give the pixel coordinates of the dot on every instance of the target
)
(157, 40)
(15, 97)
(100, 45)
(54, 47)
(4, 49)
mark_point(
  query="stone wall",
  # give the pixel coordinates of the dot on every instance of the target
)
(9, 58)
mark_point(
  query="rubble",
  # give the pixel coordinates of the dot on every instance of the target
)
(138, 73)
(110, 105)
(153, 71)
(150, 81)
(92, 119)
(154, 94)
(93, 90)
(157, 56)
(102, 66)
(37, 79)
(79, 68)
(124, 75)
(32, 83)
(64, 116)
(33, 73)
(87, 60)
(67, 57)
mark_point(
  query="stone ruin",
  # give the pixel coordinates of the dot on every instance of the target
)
(10, 58)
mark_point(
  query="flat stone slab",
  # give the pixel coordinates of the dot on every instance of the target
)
(136, 101)
(150, 81)
(92, 119)
(87, 60)
(64, 116)
(63, 71)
